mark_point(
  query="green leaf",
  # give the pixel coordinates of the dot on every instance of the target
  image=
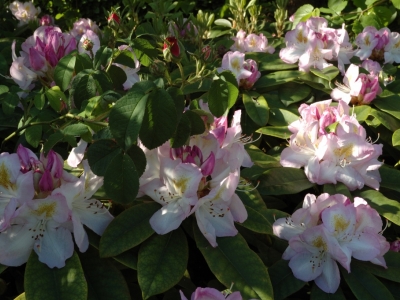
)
(9, 103)
(362, 112)
(339, 188)
(261, 159)
(100, 155)
(55, 96)
(281, 117)
(144, 51)
(288, 96)
(282, 181)
(3, 89)
(282, 132)
(83, 87)
(159, 120)
(126, 58)
(392, 272)
(128, 229)
(2, 268)
(41, 282)
(385, 119)
(127, 114)
(223, 93)
(396, 138)
(390, 177)
(102, 57)
(162, 262)
(396, 3)
(203, 85)
(21, 297)
(230, 262)
(385, 207)
(276, 78)
(182, 133)
(121, 180)
(302, 14)
(118, 76)
(83, 61)
(39, 100)
(337, 6)
(317, 294)
(283, 281)
(256, 107)
(33, 135)
(328, 73)
(179, 100)
(364, 285)
(103, 278)
(196, 123)
(138, 157)
(76, 130)
(52, 140)
(64, 71)
(270, 62)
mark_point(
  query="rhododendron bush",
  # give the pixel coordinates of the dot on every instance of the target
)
(178, 150)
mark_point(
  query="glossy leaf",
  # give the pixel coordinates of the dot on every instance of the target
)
(64, 71)
(261, 159)
(66, 283)
(282, 132)
(281, 181)
(83, 87)
(128, 229)
(293, 92)
(33, 135)
(283, 281)
(223, 93)
(390, 177)
(230, 262)
(121, 180)
(339, 188)
(386, 207)
(256, 107)
(162, 262)
(364, 285)
(100, 154)
(159, 120)
(396, 138)
(270, 62)
(328, 73)
(317, 294)
(102, 57)
(281, 117)
(276, 78)
(103, 278)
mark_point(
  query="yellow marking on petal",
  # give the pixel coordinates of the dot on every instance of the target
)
(48, 209)
(235, 64)
(300, 37)
(397, 45)
(367, 41)
(5, 178)
(181, 184)
(319, 242)
(340, 223)
(345, 151)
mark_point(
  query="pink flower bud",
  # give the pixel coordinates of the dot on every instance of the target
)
(113, 17)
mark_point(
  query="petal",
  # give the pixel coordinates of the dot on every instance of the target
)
(329, 280)
(16, 245)
(169, 217)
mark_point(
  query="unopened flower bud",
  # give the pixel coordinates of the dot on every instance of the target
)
(206, 52)
(171, 48)
(114, 18)
(87, 44)
(46, 20)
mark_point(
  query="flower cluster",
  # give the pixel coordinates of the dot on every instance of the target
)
(251, 43)
(200, 178)
(245, 71)
(332, 146)
(313, 44)
(41, 205)
(358, 88)
(40, 54)
(378, 45)
(24, 12)
(82, 25)
(331, 229)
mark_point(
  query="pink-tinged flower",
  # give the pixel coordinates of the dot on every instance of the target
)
(81, 26)
(331, 229)
(358, 88)
(372, 43)
(84, 210)
(240, 41)
(248, 82)
(372, 67)
(37, 225)
(211, 294)
(392, 49)
(131, 73)
(343, 49)
(257, 43)
(77, 153)
(315, 56)
(24, 12)
(297, 43)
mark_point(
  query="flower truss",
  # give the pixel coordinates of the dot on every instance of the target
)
(245, 71)
(359, 88)
(332, 146)
(198, 179)
(251, 43)
(330, 229)
(24, 12)
(211, 294)
(41, 206)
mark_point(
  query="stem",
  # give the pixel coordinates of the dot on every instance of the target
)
(182, 73)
